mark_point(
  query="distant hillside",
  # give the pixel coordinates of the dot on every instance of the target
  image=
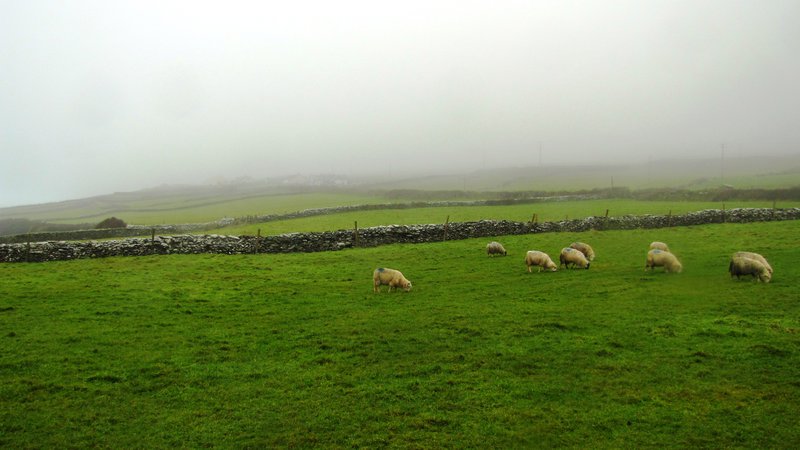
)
(203, 203)
(743, 173)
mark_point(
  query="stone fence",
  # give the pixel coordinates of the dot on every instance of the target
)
(145, 230)
(368, 237)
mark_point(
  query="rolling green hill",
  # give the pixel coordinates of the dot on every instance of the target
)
(191, 204)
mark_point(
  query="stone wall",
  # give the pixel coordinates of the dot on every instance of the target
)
(145, 230)
(107, 233)
(367, 237)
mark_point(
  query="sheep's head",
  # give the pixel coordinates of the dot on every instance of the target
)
(764, 276)
(407, 286)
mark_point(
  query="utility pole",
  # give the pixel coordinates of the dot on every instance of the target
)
(540, 153)
(722, 164)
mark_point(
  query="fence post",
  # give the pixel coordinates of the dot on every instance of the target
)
(258, 240)
(355, 234)
(153, 240)
(669, 219)
(446, 226)
(605, 221)
(772, 214)
(723, 213)
(28, 250)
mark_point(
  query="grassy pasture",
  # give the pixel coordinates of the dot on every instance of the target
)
(296, 350)
(181, 207)
(547, 211)
(747, 172)
(175, 212)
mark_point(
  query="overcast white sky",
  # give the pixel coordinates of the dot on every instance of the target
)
(103, 96)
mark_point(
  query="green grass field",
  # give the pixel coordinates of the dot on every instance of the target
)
(546, 211)
(177, 209)
(296, 351)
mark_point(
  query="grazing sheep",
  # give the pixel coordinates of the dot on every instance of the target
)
(757, 257)
(659, 246)
(660, 258)
(571, 256)
(392, 278)
(495, 248)
(586, 249)
(740, 265)
(541, 259)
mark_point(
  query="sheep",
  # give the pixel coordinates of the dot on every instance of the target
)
(571, 256)
(586, 249)
(659, 246)
(392, 278)
(660, 258)
(740, 265)
(757, 257)
(541, 259)
(495, 248)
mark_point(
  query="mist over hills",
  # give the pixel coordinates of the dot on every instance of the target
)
(760, 171)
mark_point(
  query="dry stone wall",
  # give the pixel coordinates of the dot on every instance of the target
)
(366, 237)
(144, 230)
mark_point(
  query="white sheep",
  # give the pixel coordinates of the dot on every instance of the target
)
(660, 258)
(541, 259)
(571, 256)
(586, 249)
(392, 278)
(495, 248)
(757, 257)
(659, 246)
(740, 265)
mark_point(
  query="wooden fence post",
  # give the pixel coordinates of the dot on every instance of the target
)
(28, 250)
(446, 226)
(723, 213)
(669, 219)
(605, 221)
(153, 240)
(355, 234)
(258, 240)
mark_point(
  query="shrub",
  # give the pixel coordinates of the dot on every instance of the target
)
(111, 222)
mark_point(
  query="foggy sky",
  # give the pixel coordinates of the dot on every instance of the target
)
(104, 96)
